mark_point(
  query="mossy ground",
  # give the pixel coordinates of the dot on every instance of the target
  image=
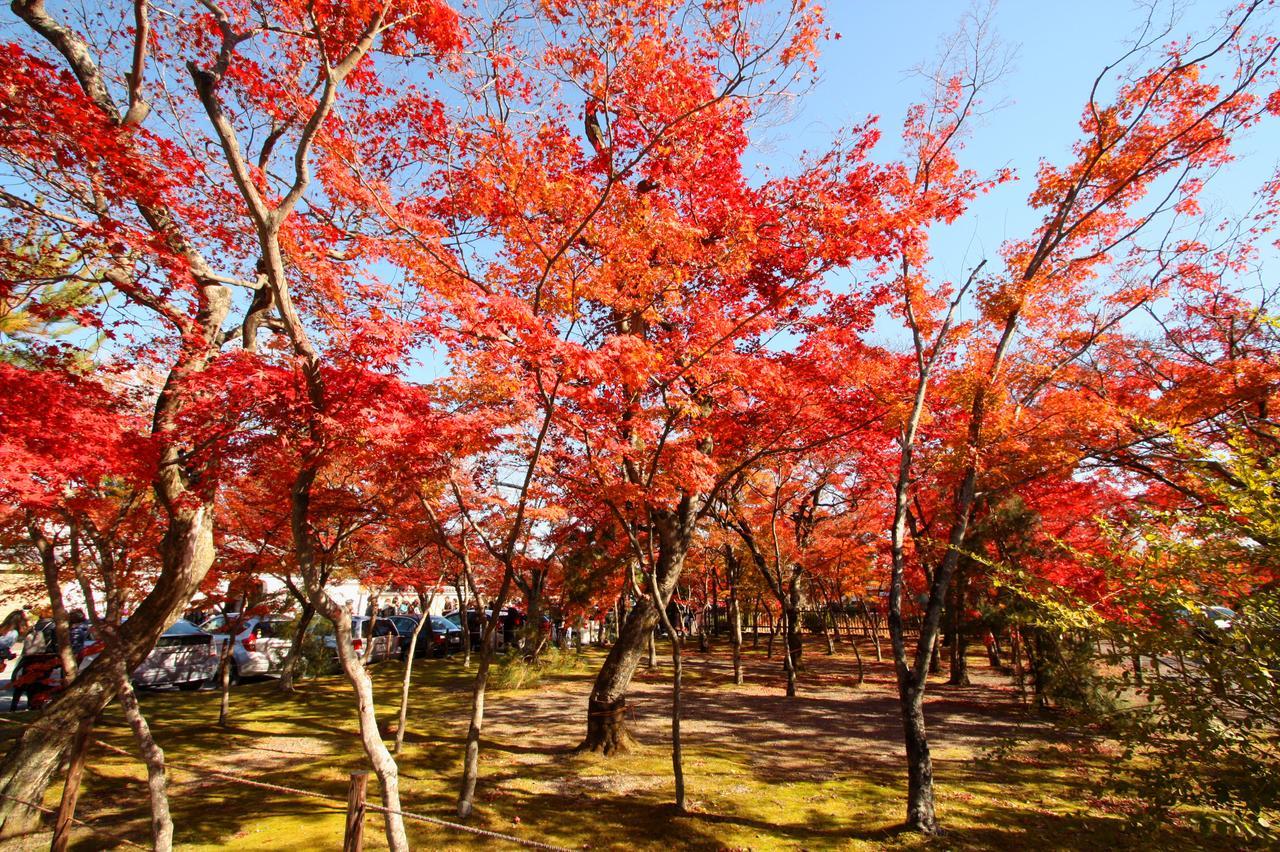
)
(820, 771)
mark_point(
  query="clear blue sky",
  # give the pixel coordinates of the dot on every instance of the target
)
(1061, 47)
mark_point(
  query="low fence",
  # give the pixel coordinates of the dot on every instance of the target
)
(355, 803)
(872, 626)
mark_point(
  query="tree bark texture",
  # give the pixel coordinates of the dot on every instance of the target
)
(153, 757)
(289, 670)
(607, 706)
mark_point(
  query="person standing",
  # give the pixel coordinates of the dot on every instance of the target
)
(12, 629)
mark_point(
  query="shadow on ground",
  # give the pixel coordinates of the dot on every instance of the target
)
(818, 771)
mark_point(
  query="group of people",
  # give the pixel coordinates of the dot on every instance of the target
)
(395, 607)
(34, 672)
(16, 625)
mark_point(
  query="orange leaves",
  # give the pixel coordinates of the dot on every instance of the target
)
(98, 441)
(1172, 122)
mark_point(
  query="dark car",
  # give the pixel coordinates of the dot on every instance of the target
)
(439, 636)
(511, 621)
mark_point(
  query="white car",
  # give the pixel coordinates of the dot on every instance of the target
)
(261, 644)
(384, 643)
(184, 656)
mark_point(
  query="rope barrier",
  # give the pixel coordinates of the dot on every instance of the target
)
(296, 791)
(108, 835)
(196, 769)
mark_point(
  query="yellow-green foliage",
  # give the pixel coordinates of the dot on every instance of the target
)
(513, 671)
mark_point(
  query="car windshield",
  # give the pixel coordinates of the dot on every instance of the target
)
(183, 628)
(218, 623)
(360, 626)
(440, 623)
(1219, 612)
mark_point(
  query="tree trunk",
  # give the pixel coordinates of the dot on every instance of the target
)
(471, 754)
(873, 627)
(993, 650)
(677, 759)
(153, 757)
(959, 635)
(290, 667)
(535, 639)
(788, 650)
(1039, 669)
(1019, 674)
(53, 587)
(795, 626)
(607, 706)
(959, 661)
(617, 622)
(653, 649)
(408, 673)
(735, 618)
(715, 604)
(186, 554)
(186, 550)
(857, 653)
(921, 816)
(224, 676)
(773, 632)
(384, 765)
(464, 622)
(792, 659)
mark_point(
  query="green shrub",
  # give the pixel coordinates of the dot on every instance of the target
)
(314, 658)
(513, 671)
(1206, 730)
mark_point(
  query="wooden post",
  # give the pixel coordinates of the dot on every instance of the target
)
(71, 789)
(353, 840)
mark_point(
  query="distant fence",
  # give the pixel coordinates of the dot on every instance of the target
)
(871, 625)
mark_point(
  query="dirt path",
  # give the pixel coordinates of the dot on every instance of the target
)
(829, 725)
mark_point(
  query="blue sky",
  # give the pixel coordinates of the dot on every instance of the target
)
(1061, 47)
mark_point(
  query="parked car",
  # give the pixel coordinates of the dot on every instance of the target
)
(261, 644)
(384, 642)
(184, 656)
(1219, 616)
(511, 620)
(1222, 618)
(439, 635)
(1208, 623)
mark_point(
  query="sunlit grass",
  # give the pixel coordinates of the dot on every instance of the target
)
(1038, 795)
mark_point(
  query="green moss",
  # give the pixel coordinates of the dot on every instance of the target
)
(1038, 794)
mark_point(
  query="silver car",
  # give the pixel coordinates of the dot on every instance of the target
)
(184, 656)
(261, 644)
(384, 642)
